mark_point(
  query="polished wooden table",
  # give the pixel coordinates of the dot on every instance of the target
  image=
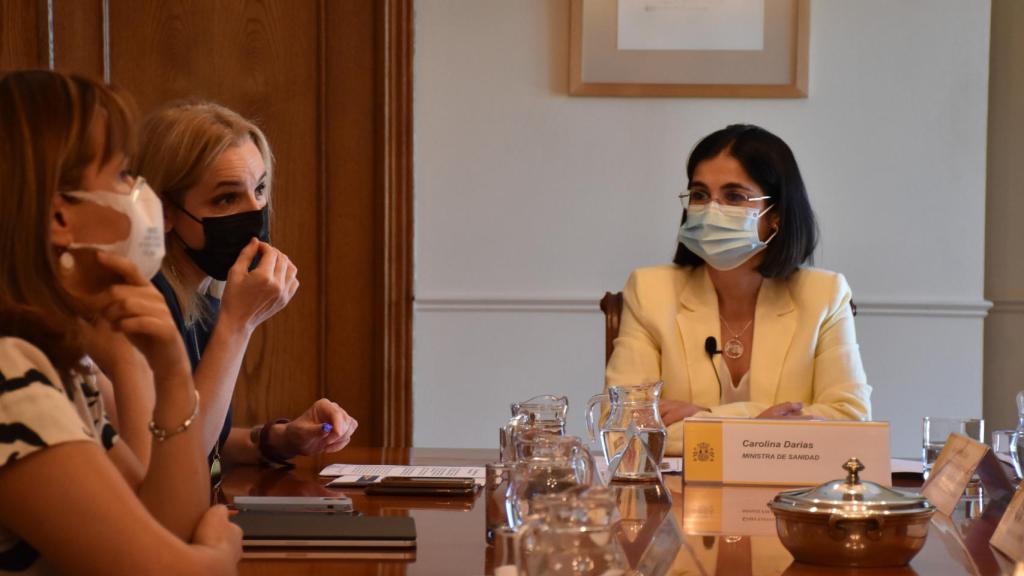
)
(721, 531)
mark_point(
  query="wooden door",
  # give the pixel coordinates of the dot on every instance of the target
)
(330, 84)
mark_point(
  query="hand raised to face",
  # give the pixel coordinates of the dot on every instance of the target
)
(253, 296)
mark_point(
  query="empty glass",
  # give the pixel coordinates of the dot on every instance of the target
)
(1017, 440)
(1001, 440)
(937, 430)
(497, 481)
(633, 435)
(503, 553)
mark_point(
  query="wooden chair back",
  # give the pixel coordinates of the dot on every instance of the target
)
(611, 305)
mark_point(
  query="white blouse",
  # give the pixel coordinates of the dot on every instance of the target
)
(740, 392)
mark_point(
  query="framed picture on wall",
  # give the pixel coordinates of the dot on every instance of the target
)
(689, 48)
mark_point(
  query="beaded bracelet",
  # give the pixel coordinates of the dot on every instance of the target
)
(266, 453)
(162, 434)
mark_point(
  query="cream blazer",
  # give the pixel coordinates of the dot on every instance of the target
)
(805, 347)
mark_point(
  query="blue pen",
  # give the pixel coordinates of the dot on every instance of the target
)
(326, 427)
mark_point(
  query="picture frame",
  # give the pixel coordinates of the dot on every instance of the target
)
(779, 69)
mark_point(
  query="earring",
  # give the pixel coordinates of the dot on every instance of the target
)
(67, 261)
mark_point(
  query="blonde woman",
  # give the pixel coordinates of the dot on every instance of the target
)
(76, 241)
(213, 170)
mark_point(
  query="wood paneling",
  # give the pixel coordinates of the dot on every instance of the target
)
(396, 279)
(260, 59)
(368, 168)
(78, 36)
(351, 241)
(23, 34)
(330, 84)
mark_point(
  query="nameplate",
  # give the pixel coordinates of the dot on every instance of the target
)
(960, 458)
(782, 452)
(1009, 535)
(728, 510)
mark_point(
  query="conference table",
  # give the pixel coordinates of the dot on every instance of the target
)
(714, 530)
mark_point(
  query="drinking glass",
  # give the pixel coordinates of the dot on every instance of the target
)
(1017, 440)
(936, 430)
(1001, 444)
(497, 480)
(503, 553)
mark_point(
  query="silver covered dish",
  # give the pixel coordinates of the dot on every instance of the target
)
(852, 522)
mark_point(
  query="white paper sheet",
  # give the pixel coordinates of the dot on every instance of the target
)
(371, 473)
(912, 465)
(691, 25)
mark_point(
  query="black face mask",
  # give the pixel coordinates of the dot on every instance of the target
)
(226, 236)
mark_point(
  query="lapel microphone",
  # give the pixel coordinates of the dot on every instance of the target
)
(711, 347)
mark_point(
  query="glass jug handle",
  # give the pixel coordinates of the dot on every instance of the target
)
(508, 435)
(586, 469)
(595, 402)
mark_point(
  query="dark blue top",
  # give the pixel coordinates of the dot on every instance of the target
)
(195, 335)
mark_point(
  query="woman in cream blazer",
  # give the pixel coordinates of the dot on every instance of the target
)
(784, 341)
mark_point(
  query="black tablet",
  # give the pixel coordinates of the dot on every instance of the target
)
(324, 529)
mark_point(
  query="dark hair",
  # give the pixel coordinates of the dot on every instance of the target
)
(46, 144)
(770, 163)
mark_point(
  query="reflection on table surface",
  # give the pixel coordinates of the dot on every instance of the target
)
(674, 529)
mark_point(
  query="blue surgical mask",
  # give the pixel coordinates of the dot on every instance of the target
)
(723, 236)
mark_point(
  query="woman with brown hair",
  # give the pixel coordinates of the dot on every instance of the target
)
(77, 237)
(221, 278)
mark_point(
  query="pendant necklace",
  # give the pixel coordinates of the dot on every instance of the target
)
(733, 346)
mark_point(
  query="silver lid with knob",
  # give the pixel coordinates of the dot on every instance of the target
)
(852, 496)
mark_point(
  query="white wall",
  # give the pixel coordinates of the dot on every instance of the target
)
(530, 203)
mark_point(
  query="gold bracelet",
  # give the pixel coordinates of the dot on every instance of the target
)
(160, 434)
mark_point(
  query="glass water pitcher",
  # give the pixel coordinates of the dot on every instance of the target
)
(546, 465)
(543, 414)
(633, 434)
(572, 534)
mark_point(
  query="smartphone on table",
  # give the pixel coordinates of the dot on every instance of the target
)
(294, 503)
(415, 486)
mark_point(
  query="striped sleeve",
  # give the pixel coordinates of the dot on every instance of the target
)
(36, 411)
(94, 407)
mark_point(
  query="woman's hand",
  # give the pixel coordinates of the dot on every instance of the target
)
(673, 411)
(216, 531)
(106, 346)
(788, 410)
(125, 382)
(305, 435)
(116, 357)
(253, 296)
(136, 309)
